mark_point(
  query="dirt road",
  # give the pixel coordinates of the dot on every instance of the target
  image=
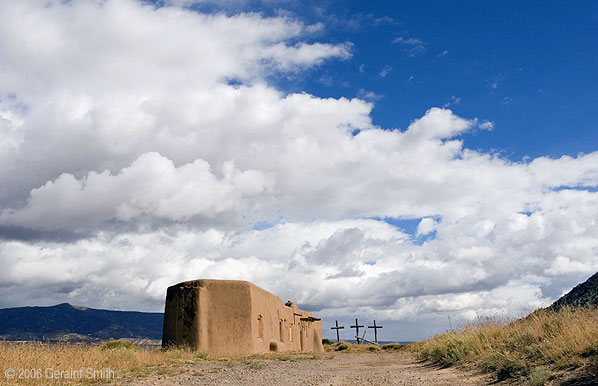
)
(380, 368)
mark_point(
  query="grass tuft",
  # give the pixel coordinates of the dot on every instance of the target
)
(202, 355)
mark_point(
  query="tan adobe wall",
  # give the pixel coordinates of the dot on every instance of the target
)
(230, 317)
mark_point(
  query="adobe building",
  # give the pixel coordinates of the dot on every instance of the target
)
(233, 317)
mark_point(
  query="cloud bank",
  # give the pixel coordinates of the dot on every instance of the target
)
(143, 146)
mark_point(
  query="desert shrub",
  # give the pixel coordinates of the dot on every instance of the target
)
(118, 344)
(203, 354)
(392, 346)
(538, 376)
(509, 369)
(326, 341)
(341, 346)
(254, 365)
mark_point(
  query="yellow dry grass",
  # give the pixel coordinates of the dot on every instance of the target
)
(41, 364)
(530, 347)
(346, 347)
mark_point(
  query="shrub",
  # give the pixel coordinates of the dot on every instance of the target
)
(118, 344)
(255, 365)
(392, 346)
(509, 369)
(341, 346)
(538, 376)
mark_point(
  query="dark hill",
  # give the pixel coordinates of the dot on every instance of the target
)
(584, 294)
(65, 321)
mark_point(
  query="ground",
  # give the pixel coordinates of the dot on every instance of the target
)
(381, 368)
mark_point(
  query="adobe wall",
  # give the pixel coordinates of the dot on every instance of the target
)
(230, 317)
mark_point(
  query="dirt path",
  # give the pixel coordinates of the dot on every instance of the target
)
(330, 369)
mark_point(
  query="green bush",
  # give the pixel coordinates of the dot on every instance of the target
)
(118, 344)
(538, 376)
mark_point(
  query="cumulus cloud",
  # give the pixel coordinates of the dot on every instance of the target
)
(142, 146)
(151, 185)
(426, 226)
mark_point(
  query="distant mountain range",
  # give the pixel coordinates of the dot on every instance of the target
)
(72, 323)
(65, 322)
(584, 294)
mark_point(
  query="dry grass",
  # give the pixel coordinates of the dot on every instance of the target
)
(353, 347)
(124, 359)
(531, 347)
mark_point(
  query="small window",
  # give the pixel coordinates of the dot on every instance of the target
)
(260, 327)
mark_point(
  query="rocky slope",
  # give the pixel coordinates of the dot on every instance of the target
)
(584, 294)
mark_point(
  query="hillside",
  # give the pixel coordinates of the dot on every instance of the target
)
(584, 294)
(73, 323)
(555, 345)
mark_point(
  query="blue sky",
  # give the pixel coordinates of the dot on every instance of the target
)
(530, 66)
(147, 143)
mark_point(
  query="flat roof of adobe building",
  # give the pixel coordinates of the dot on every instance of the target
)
(240, 283)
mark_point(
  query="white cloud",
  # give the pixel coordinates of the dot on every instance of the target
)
(385, 71)
(426, 226)
(368, 95)
(443, 53)
(151, 185)
(408, 41)
(486, 125)
(564, 265)
(453, 101)
(153, 136)
(412, 46)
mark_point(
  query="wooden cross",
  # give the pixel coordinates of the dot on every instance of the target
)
(356, 327)
(338, 339)
(375, 330)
